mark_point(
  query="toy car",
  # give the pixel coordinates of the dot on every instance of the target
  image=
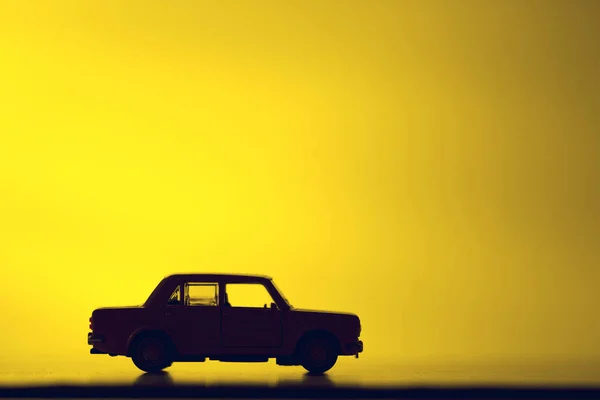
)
(193, 317)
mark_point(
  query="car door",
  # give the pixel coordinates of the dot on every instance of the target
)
(249, 317)
(194, 319)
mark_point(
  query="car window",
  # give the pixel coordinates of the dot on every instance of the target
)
(175, 298)
(201, 294)
(252, 295)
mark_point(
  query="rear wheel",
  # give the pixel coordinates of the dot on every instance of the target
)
(318, 354)
(151, 354)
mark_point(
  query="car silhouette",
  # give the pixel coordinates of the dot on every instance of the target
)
(194, 317)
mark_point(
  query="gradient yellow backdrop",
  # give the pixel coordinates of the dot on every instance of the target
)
(430, 165)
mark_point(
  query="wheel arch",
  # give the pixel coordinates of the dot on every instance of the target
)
(144, 332)
(313, 333)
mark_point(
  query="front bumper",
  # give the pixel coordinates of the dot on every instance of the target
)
(92, 339)
(355, 348)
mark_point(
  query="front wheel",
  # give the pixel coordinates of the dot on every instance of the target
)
(151, 354)
(318, 355)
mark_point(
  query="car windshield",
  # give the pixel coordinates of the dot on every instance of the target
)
(281, 293)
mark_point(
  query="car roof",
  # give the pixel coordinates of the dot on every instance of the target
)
(231, 277)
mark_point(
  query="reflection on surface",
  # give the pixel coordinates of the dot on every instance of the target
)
(306, 379)
(156, 379)
(317, 380)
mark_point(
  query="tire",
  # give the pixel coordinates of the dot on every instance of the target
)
(151, 354)
(318, 354)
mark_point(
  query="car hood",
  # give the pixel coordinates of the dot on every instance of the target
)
(118, 307)
(109, 310)
(308, 311)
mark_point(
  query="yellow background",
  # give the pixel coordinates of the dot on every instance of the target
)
(429, 165)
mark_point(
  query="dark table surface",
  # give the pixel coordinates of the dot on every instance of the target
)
(104, 377)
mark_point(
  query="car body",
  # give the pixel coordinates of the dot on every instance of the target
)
(189, 317)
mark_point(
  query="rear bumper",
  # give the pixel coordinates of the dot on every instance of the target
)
(355, 348)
